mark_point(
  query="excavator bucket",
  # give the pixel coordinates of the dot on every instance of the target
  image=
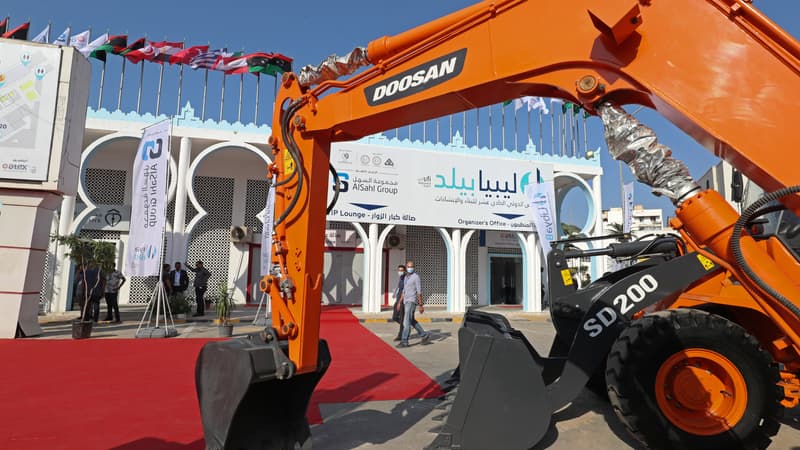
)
(249, 396)
(501, 388)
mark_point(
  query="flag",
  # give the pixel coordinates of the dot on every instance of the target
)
(208, 59)
(231, 64)
(146, 53)
(137, 44)
(3, 26)
(165, 50)
(185, 56)
(569, 106)
(114, 44)
(21, 32)
(43, 35)
(268, 63)
(148, 203)
(63, 38)
(80, 40)
(91, 49)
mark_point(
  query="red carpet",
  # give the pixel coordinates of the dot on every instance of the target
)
(139, 394)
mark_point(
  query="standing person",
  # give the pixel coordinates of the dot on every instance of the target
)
(114, 280)
(165, 280)
(201, 276)
(179, 279)
(412, 297)
(95, 286)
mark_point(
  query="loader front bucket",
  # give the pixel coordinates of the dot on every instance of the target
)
(501, 390)
(249, 396)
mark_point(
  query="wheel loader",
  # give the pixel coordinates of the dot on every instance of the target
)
(697, 346)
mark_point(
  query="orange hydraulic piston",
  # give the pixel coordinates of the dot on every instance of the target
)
(708, 219)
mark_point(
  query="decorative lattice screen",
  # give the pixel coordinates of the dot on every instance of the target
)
(256, 199)
(105, 186)
(426, 248)
(505, 251)
(472, 270)
(210, 239)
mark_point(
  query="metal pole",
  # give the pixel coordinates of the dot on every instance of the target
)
(239, 111)
(450, 131)
(222, 97)
(139, 94)
(205, 90)
(464, 126)
(180, 88)
(541, 144)
(585, 136)
(516, 131)
(438, 123)
(102, 83)
(491, 129)
(424, 131)
(503, 126)
(528, 138)
(478, 127)
(160, 83)
(121, 83)
(258, 90)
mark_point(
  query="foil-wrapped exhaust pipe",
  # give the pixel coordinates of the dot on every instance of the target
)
(333, 67)
(652, 163)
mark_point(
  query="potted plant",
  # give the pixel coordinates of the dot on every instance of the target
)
(179, 305)
(89, 255)
(225, 306)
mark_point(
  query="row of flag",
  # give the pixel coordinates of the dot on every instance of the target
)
(197, 57)
(538, 103)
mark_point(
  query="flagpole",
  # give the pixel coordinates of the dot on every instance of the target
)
(160, 83)
(180, 86)
(585, 136)
(47, 35)
(222, 97)
(139, 93)
(491, 130)
(450, 132)
(205, 90)
(541, 143)
(239, 111)
(503, 126)
(464, 126)
(121, 84)
(102, 83)
(478, 127)
(516, 131)
(258, 95)
(438, 125)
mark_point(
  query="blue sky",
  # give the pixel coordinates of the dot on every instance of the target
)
(306, 31)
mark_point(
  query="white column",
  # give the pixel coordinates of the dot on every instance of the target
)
(365, 287)
(462, 271)
(377, 269)
(179, 240)
(370, 302)
(61, 276)
(598, 264)
(449, 244)
(532, 268)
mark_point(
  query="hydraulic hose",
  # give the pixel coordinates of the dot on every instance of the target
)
(291, 147)
(335, 188)
(736, 248)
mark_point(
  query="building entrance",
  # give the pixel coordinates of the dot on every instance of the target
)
(505, 280)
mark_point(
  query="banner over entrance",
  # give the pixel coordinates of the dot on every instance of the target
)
(415, 187)
(148, 202)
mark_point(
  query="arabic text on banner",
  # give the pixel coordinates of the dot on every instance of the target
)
(148, 202)
(627, 207)
(266, 234)
(541, 196)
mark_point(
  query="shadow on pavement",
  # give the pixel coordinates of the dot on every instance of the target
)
(150, 443)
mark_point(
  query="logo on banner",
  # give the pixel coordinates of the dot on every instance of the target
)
(144, 253)
(152, 149)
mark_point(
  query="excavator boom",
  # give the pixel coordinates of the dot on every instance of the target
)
(718, 69)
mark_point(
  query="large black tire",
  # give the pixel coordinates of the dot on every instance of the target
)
(641, 350)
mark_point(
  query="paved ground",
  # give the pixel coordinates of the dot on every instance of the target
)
(589, 423)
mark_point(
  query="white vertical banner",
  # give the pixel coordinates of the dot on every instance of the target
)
(541, 196)
(627, 207)
(266, 233)
(148, 202)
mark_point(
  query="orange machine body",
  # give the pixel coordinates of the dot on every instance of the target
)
(718, 69)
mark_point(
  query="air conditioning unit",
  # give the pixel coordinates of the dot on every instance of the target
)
(240, 234)
(396, 240)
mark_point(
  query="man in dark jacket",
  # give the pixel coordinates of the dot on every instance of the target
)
(201, 276)
(179, 279)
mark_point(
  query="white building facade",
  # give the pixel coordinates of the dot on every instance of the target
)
(217, 180)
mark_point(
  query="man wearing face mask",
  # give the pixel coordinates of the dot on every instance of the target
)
(399, 310)
(411, 298)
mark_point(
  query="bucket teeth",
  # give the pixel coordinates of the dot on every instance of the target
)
(441, 417)
(443, 406)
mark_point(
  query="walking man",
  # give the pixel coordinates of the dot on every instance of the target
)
(201, 276)
(412, 297)
(114, 280)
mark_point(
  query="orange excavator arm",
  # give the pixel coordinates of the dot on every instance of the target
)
(718, 69)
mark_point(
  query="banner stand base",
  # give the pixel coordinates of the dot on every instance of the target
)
(152, 325)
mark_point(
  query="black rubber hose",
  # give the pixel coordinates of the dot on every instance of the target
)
(335, 189)
(736, 248)
(291, 147)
